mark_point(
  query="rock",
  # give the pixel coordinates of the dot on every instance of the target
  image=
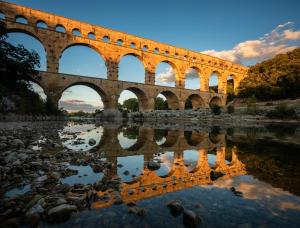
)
(2, 146)
(16, 143)
(138, 211)
(97, 168)
(126, 173)
(37, 208)
(54, 175)
(92, 142)
(175, 207)
(152, 165)
(214, 175)
(41, 179)
(235, 192)
(61, 213)
(190, 218)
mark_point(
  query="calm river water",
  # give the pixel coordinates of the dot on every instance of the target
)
(196, 167)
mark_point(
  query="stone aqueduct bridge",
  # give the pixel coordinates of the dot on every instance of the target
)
(112, 46)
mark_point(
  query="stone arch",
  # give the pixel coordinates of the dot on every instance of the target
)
(100, 91)
(192, 78)
(171, 138)
(172, 99)
(214, 81)
(142, 97)
(60, 28)
(93, 48)
(170, 76)
(21, 19)
(137, 64)
(195, 100)
(76, 32)
(215, 101)
(33, 35)
(41, 24)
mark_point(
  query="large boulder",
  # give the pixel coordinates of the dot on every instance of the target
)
(61, 213)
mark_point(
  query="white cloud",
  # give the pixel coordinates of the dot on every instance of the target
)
(75, 105)
(167, 76)
(191, 74)
(280, 40)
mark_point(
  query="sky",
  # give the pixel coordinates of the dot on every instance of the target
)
(245, 32)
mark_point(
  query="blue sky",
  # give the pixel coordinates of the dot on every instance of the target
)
(242, 31)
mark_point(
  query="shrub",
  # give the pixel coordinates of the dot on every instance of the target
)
(282, 111)
(216, 109)
(251, 105)
(230, 109)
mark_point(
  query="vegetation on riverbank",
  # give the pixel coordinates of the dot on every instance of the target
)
(17, 65)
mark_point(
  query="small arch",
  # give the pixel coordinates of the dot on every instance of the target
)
(145, 48)
(76, 32)
(105, 39)
(176, 55)
(194, 101)
(156, 50)
(171, 98)
(120, 42)
(2, 16)
(92, 36)
(165, 74)
(60, 28)
(41, 24)
(132, 45)
(215, 101)
(21, 19)
(140, 96)
(193, 138)
(167, 53)
(160, 102)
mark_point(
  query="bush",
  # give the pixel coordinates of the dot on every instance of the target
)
(216, 109)
(230, 109)
(282, 111)
(251, 105)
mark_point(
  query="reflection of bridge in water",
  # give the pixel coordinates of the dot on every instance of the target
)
(149, 184)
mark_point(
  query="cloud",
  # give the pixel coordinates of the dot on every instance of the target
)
(280, 40)
(167, 76)
(191, 74)
(75, 105)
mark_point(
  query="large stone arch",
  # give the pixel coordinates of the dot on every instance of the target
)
(172, 65)
(199, 73)
(196, 100)
(172, 99)
(104, 96)
(144, 103)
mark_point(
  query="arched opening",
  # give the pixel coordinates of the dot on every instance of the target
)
(215, 101)
(21, 19)
(165, 74)
(105, 39)
(170, 100)
(131, 69)
(2, 16)
(190, 158)
(120, 42)
(41, 24)
(194, 101)
(230, 88)
(161, 102)
(166, 161)
(213, 82)
(192, 79)
(193, 138)
(130, 167)
(133, 100)
(76, 32)
(31, 43)
(60, 28)
(80, 59)
(82, 100)
(92, 36)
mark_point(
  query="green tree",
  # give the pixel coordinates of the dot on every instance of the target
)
(160, 104)
(276, 78)
(131, 104)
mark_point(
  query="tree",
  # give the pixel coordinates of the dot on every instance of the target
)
(276, 78)
(131, 104)
(160, 104)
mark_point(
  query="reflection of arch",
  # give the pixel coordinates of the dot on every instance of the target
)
(99, 90)
(171, 138)
(214, 136)
(196, 100)
(172, 99)
(142, 97)
(215, 101)
(193, 138)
